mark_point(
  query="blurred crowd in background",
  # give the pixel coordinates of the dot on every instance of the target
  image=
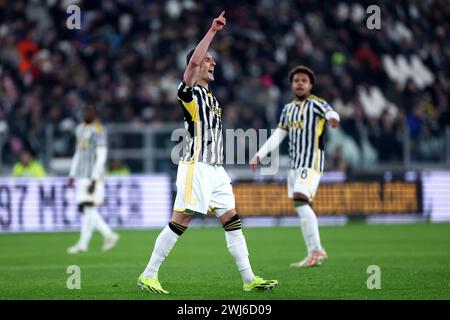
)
(129, 55)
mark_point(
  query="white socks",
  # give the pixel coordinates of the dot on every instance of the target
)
(87, 229)
(310, 228)
(100, 223)
(238, 248)
(92, 220)
(164, 243)
(167, 239)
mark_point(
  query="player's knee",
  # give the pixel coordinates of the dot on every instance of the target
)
(234, 223)
(300, 199)
(225, 216)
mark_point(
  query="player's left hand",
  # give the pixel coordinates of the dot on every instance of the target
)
(333, 123)
(91, 187)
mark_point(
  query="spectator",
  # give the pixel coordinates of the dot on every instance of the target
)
(131, 58)
(337, 161)
(28, 167)
(117, 168)
(388, 140)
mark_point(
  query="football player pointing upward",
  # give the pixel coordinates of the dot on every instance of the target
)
(303, 120)
(202, 183)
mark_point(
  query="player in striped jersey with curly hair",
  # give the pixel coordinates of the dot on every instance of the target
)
(303, 121)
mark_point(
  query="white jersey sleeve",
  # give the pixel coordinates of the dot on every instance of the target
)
(101, 151)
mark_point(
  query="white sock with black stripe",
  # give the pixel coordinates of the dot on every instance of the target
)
(164, 243)
(237, 246)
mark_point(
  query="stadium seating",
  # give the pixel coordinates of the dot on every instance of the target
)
(131, 60)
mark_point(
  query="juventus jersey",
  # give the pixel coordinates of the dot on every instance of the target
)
(203, 122)
(89, 136)
(304, 120)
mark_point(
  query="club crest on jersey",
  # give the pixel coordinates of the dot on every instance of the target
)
(295, 124)
(217, 110)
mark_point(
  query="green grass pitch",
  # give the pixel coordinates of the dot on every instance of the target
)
(414, 261)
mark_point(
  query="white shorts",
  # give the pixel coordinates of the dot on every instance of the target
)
(203, 187)
(82, 195)
(303, 180)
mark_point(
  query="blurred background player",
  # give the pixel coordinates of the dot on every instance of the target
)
(202, 183)
(303, 120)
(88, 166)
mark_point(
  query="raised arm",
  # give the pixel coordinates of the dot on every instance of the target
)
(200, 51)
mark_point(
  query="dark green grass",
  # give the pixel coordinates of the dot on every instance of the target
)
(414, 261)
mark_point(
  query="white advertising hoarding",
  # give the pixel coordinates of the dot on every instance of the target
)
(47, 204)
(145, 202)
(436, 195)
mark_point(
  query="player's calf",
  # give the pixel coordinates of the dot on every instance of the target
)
(165, 241)
(238, 248)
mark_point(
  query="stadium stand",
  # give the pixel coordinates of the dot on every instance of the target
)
(129, 56)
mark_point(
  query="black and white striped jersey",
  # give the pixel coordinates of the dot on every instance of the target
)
(305, 122)
(203, 122)
(89, 137)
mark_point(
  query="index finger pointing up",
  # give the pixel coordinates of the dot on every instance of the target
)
(221, 15)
